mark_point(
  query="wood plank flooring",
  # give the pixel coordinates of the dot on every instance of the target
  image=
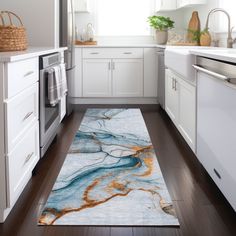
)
(201, 208)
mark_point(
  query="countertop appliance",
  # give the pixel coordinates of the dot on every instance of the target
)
(67, 39)
(161, 76)
(49, 115)
(216, 123)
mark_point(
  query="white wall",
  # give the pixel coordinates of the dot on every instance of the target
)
(82, 19)
(203, 11)
(214, 24)
(40, 19)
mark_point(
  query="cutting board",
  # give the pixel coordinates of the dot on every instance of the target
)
(86, 43)
(194, 25)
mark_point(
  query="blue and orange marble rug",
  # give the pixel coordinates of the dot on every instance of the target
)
(110, 176)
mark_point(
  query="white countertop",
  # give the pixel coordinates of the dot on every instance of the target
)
(30, 52)
(223, 54)
(122, 46)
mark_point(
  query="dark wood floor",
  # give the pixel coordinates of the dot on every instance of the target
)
(201, 208)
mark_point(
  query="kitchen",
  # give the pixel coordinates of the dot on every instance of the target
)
(117, 117)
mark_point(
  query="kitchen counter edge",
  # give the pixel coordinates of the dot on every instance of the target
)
(29, 53)
(122, 46)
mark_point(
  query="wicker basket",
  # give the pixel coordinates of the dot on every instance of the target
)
(12, 38)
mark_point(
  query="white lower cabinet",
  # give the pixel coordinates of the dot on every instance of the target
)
(127, 77)
(19, 146)
(20, 163)
(171, 99)
(20, 112)
(97, 78)
(181, 106)
(62, 108)
(187, 112)
(112, 77)
(117, 73)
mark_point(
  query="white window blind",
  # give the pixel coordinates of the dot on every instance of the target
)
(229, 6)
(123, 17)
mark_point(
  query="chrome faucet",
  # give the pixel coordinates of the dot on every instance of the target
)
(230, 40)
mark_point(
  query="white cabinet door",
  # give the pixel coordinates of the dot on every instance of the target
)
(180, 105)
(81, 6)
(75, 86)
(188, 3)
(166, 5)
(150, 72)
(20, 163)
(187, 111)
(171, 96)
(20, 112)
(62, 108)
(127, 77)
(97, 78)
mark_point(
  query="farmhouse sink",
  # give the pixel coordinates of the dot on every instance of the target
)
(180, 60)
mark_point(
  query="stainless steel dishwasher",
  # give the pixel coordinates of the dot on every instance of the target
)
(216, 123)
(161, 76)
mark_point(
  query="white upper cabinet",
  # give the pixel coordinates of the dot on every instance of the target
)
(166, 5)
(82, 5)
(170, 5)
(189, 3)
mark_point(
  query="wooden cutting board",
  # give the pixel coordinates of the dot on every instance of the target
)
(86, 43)
(194, 25)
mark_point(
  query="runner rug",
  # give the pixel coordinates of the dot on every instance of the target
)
(110, 176)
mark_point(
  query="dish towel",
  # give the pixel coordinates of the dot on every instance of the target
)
(57, 84)
(54, 85)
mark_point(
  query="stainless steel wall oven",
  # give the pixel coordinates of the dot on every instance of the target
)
(49, 115)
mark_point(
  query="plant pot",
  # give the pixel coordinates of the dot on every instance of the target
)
(162, 36)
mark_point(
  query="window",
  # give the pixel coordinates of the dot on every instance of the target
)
(123, 17)
(230, 7)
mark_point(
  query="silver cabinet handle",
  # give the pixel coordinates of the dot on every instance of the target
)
(94, 53)
(109, 65)
(28, 157)
(28, 74)
(113, 66)
(173, 83)
(212, 73)
(127, 53)
(28, 115)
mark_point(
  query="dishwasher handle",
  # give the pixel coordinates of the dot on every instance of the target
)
(212, 73)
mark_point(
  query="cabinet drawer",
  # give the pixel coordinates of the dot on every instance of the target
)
(20, 112)
(20, 163)
(21, 74)
(113, 53)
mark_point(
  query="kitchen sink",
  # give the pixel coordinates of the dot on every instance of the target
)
(181, 60)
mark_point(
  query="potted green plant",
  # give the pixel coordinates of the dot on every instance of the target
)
(161, 24)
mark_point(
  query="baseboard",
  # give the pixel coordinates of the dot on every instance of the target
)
(114, 101)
